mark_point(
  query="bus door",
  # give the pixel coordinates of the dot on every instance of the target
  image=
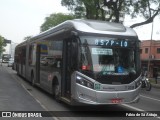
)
(66, 71)
(38, 64)
(69, 65)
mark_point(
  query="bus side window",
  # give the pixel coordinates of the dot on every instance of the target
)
(58, 64)
(56, 52)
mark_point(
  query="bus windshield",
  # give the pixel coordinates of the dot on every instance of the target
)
(106, 57)
(108, 60)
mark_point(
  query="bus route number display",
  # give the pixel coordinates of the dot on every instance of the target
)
(102, 51)
(118, 43)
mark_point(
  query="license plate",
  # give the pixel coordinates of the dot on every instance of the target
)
(116, 100)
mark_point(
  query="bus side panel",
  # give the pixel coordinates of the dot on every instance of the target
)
(24, 71)
(30, 61)
(19, 69)
(28, 73)
(26, 63)
(50, 62)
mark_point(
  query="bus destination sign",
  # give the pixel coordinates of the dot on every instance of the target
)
(117, 43)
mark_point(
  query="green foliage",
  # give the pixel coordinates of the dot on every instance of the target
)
(144, 8)
(114, 9)
(89, 9)
(148, 9)
(27, 38)
(55, 19)
(2, 45)
(94, 9)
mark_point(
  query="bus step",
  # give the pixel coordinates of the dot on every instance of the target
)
(66, 99)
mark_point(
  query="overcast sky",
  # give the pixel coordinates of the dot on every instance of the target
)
(144, 31)
(21, 18)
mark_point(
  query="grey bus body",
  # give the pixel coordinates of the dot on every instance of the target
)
(69, 62)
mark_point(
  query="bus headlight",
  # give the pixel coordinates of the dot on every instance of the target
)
(84, 82)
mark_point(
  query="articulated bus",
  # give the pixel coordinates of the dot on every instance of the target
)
(83, 62)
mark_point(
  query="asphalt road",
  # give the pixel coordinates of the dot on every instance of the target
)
(13, 97)
(28, 98)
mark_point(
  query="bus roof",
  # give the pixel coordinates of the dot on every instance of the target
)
(88, 26)
(91, 26)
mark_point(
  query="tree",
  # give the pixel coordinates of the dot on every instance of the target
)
(148, 9)
(115, 9)
(2, 45)
(89, 9)
(27, 38)
(55, 19)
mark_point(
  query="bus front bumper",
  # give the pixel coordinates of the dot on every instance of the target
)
(86, 95)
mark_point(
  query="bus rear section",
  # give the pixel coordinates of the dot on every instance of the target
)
(109, 71)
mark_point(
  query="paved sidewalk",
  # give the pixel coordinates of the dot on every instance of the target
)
(154, 84)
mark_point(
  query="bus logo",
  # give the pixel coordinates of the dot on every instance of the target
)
(97, 86)
(6, 114)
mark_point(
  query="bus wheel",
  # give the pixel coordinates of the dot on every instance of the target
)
(32, 79)
(56, 92)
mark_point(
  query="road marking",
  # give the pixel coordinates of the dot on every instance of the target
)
(150, 98)
(55, 118)
(134, 108)
(35, 98)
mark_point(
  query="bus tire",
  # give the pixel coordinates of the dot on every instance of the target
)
(56, 93)
(56, 89)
